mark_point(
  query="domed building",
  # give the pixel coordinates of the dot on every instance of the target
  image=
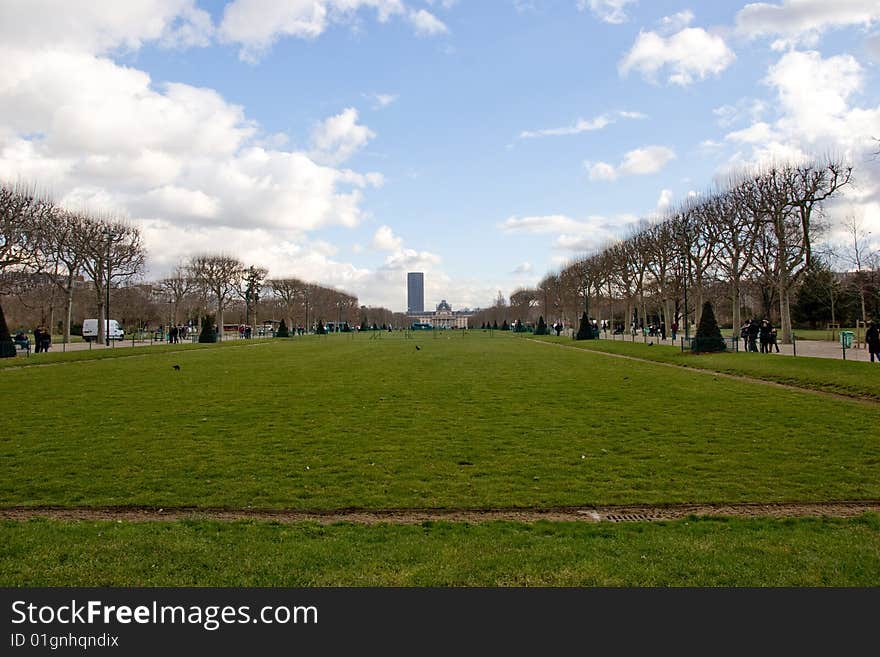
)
(443, 317)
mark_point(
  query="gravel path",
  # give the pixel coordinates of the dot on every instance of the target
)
(417, 516)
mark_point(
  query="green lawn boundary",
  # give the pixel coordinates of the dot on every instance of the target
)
(690, 552)
(82, 355)
(860, 380)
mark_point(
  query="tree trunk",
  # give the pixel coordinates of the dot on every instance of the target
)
(102, 332)
(68, 314)
(737, 320)
(784, 308)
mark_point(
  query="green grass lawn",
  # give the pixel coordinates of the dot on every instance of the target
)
(57, 355)
(716, 552)
(475, 421)
(851, 378)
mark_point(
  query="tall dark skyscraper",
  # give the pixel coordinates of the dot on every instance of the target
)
(415, 292)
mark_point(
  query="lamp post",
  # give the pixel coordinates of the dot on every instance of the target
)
(108, 235)
(686, 274)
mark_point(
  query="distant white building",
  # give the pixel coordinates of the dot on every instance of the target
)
(444, 317)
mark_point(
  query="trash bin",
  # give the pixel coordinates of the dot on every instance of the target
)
(846, 339)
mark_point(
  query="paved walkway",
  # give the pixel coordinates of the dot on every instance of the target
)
(811, 348)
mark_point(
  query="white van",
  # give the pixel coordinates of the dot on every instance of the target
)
(90, 330)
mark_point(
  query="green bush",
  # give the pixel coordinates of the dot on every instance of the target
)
(7, 346)
(208, 334)
(283, 331)
(542, 327)
(321, 330)
(586, 330)
(708, 338)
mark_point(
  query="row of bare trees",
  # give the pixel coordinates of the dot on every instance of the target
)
(758, 233)
(216, 281)
(41, 242)
(47, 252)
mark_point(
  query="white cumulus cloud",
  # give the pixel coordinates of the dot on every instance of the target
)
(100, 26)
(384, 239)
(426, 23)
(609, 11)
(689, 55)
(338, 137)
(804, 20)
(257, 24)
(638, 162)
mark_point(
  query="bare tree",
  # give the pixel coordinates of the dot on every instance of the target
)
(767, 195)
(737, 233)
(21, 213)
(290, 291)
(249, 287)
(64, 255)
(857, 253)
(112, 253)
(219, 275)
(808, 186)
(660, 249)
(175, 288)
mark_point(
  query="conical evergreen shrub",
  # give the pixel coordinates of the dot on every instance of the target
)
(7, 346)
(283, 331)
(708, 338)
(541, 329)
(585, 330)
(208, 334)
(321, 330)
(504, 326)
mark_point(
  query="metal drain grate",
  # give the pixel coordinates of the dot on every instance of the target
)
(630, 517)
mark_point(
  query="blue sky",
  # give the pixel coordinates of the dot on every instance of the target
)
(483, 142)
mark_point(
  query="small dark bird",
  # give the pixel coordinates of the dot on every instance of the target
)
(176, 367)
(650, 344)
(418, 348)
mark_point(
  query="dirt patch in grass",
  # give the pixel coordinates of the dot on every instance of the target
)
(417, 516)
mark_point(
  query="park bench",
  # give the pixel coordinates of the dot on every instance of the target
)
(23, 349)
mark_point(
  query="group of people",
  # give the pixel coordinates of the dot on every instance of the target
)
(654, 330)
(177, 333)
(754, 333)
(42, 340)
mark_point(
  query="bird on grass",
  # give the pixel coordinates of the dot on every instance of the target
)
(418, 348)
(175, 367)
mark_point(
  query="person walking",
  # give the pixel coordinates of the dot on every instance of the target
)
(754, 329)
(38, 340)
(45, 339)
(744, 334)
(872, 338)
(765, 336)
(773, 342)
